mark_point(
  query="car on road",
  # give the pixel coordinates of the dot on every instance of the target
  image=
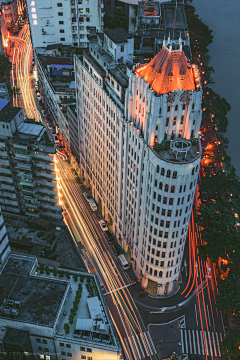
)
(87, 196)
(103, 225)
(93, 205)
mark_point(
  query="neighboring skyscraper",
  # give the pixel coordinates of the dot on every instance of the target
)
(64, 21)
(28, 179)
(146, 183)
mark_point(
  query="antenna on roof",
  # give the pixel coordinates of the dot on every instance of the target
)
(164, 41)
(169, 38)
(180, 41)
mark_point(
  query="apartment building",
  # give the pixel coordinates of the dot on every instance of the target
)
(28, 179)
(56, 78)
(64, 21)
(36, 317)
(140, 152)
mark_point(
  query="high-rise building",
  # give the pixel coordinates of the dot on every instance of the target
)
(64, 21)
(140, 152)
(28, 178)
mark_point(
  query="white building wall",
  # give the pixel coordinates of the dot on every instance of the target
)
(47, 19)
(148, 197)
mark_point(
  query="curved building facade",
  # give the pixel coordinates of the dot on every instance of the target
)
(140, 153)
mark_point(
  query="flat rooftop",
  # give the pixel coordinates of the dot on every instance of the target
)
(168, 155)
(34, 238)
(30, 129)
(117, 35)
(40, 298)
(8, 112)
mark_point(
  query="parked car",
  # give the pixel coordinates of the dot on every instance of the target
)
(93, 205)
(103, 225)
(87, 197)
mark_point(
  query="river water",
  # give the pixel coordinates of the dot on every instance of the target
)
(222, 16)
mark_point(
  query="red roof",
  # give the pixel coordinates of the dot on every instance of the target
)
(169, 70)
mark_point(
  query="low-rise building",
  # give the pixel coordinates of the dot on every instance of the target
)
(28, 179)
(58, 314)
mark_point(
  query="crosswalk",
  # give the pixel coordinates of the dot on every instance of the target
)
(140, 346)
(201, 343)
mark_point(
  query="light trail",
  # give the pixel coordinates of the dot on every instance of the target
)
(101, 257)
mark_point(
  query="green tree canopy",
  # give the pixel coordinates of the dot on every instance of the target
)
(230, 347)
(5, 67)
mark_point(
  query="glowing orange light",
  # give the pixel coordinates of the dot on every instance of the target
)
(131, 123)
(138, 130)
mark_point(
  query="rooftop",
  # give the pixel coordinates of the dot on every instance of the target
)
(117, 35)
(41, 238)
(172, 156)
(168, 71)
(59, 60)
(40, 298)
(119, 73)
(30, 129)
(100, 50)
(27, 131)
(8, 112)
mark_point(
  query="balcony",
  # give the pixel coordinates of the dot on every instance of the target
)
(23, 175)
(27, 183)
(27, 157)
(28, 192)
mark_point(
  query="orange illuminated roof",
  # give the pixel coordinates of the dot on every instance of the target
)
(169, 70)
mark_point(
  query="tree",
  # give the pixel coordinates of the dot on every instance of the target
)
(5, 67)
(66, 327)
(228, 299)
(230, 346)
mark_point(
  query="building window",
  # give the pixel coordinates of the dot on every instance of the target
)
(62, 31)
(168, 109)
(63, 353)
(82, 348)
(182, 117)
(61, 22)
(59, 4)
(83, 356)
(174, 120)
(167, 121)
(62, 39)
(39, 348)
(38, 340)
(44, 341)
(61, 344)
(60, 14)
(69, 354)
(89, 350)
(68, 346)
(122, 48)
(87, 10)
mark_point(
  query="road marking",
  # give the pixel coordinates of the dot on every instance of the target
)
(134, 341)
(145, 335)
(194, 343)
(210, 343)
(203, 348)
(190, 342)
(196, 314)
(198, 343)
(182, 341)
(151, 341)
(206, 344)
(185, 331)
(221, 337)
(214, 345)
(129, 352)
(123, 287)
(208, 316)
(143, 341)
(130, 342)
(196, 265)
(140, 345)
(218, 345)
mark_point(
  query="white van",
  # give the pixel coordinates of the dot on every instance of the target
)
(123, 262)
(93, 205)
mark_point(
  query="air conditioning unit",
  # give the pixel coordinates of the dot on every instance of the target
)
(15, 312)
(10, 152)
